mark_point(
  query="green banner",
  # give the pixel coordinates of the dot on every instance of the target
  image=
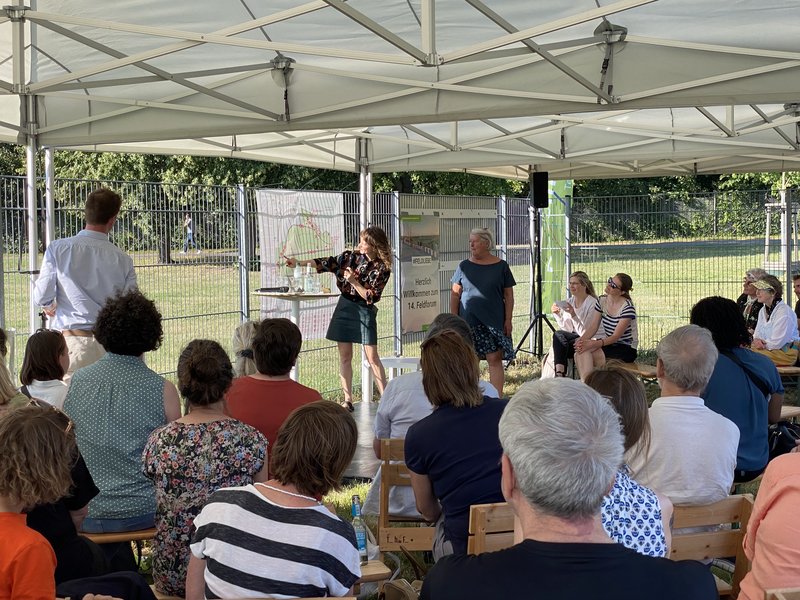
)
(555, 239)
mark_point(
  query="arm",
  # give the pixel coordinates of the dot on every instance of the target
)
(195, 579)
(584, 342)
(427, 504)
(774, 408)
(783, 321)
(172, 404)
(455, 298)
(508, 298)
(44, 290)
(667, 517)
(78, 516)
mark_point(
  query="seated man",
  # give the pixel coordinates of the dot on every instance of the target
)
(562, 446)
(692, 453)
(265, 398)
(404, 403)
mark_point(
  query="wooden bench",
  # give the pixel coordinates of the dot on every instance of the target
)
(790, 413)
(646, 372)
(139, 535)
(782, 594)
(491, 527)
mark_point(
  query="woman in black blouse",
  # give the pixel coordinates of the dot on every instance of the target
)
(361, 276)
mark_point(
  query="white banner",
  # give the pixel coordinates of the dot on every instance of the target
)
(419, 258)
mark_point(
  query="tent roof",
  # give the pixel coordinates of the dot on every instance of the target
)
(630, 88)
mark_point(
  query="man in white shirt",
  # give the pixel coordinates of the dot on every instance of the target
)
(691, 457)
(79, 274)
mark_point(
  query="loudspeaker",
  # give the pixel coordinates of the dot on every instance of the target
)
(540, 191)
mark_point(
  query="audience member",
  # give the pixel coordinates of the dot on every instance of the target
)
(194, 456)
(796, 289)
(692, 453)
(276, 539)
(776, 335)
(404, 403)
(116, 403)
(265, 398)
(613, 332)
(632, 515)
(3, 345)
(242, 345)
(772, 542)
(10, 397)
(745, 386)
(453, 453)
(572, 317)
(79, 274)
(748, 304)
(562, 448)
(43, 368)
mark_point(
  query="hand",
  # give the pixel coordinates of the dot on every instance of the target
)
(758, 344)
(580, 346)
(555, 309)
(507, 327)
(349, 275)
(50, 311)
(290, 262)
(569, 309)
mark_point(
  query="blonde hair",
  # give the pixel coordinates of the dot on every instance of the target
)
(450, 370)
(585, 282)
(242, 345)
(485, 235)
(7, 389)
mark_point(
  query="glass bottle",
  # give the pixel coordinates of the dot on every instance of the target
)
(360, 528)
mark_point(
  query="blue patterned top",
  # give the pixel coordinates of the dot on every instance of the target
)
(631, 516)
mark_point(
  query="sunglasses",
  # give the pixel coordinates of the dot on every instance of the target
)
(612, 284)
(38, 403)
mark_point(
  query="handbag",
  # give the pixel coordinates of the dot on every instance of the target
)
(401, 589)
(783, 437)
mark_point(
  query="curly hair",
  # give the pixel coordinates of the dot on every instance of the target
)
(724, 320)
(129, 324)
(42, 359)
(204, 372)
(376, 237)
(38, 449)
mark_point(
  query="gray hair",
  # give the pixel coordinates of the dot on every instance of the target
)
(565, 443)
(485, 235)
(688, 355)
(242, 346)
(450, 321)
(755, 274)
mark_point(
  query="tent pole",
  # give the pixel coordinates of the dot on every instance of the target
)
(49, 201)
(31, 204)
(364, 197)
(787, 222)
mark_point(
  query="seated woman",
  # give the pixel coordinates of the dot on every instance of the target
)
(776, 331)
(633, 515)
(454, 453)
(613, 332)
(194, 456)
(43, 368)
(242, 346)
(748, 304)
(116, 403)
(772, 543)
(572, 317)
(279, 533)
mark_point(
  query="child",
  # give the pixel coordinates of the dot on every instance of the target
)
(37, 445)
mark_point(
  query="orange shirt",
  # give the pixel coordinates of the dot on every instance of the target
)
(27, 561)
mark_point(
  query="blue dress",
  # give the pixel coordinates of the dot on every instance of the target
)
(482, 304)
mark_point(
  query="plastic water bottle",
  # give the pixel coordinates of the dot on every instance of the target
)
(360, 528)
(298, 278)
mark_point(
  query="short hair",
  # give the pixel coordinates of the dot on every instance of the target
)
(585, 281)
(565, 445)
(453, 322)
(755, 274)
(722, 317)
(688, 355)
(485, 234)
(450, 370)
(377, 238)
(627, 395)
(276, 346)
(775, 284)
(42, 360)
(795, 276)
(204, 372)
(314, 446)
(101, 206)
(38, 448)
(129, 324)
(242, 345)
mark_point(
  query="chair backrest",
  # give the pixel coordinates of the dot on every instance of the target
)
(491, 527)
(412, 537)
(732, 514)
(783, 594)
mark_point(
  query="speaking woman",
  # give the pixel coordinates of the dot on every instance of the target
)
(360, 277)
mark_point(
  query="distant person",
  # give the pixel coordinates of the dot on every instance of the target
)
(572, 317)
(242, 345)
(776, 335)
(188, 225)
(43, 368)
(748, 304)
(267, 397)
(692, 452)
(361, 276)
(745, 386)
(403, 404)
(79, 274)
(796, 289)
(10, 396)
(483, 294)
(562, 448)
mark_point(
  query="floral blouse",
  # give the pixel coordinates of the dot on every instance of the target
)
(187, 462)
(372, 274)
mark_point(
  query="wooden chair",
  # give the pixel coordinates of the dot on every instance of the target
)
(782, 594)
(412, 533)
(139, 535)
(491, 527)
(733, 512)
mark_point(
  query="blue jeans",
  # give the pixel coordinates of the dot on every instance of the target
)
(189, 240)
(113, 525)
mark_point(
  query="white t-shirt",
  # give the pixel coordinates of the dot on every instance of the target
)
(583, 315)
(53, 392)
(781, 329)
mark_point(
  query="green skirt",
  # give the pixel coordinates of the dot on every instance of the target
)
(354, 322)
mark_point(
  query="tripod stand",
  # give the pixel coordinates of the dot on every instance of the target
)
(538, 316)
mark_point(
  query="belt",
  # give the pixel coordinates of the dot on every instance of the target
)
(76, 333)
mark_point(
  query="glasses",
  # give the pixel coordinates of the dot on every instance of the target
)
(59, 412)
(612, 284)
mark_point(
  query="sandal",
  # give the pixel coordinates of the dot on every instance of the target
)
(561, 373)
(348, 405)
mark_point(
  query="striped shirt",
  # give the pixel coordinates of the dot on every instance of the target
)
(255, 548)
(608, 322)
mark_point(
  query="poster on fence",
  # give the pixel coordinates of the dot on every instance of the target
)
(299, 225)
(419, 265)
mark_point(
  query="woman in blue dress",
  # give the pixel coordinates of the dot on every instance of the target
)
(483, 294)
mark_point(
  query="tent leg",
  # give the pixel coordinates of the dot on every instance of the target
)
(33, 237)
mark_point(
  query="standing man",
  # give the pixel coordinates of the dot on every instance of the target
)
(79, 274)
(188, 225)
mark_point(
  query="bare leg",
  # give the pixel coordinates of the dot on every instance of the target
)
(585, 364)
(374, 360)
(497, 375)
(346, 369)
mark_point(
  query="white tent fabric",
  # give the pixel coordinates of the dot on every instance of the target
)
(580, 89)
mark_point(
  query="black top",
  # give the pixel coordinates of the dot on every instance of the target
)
(549, 571)
(797, 309)
(749, 312)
